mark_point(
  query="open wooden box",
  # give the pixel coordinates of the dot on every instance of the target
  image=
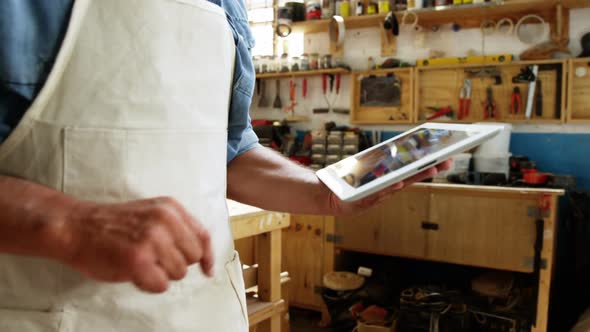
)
(579, 91)
(393, 105)
(440, 87)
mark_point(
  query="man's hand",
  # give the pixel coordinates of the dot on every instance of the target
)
(148, 242)
(342, 208)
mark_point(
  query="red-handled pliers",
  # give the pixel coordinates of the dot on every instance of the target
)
(464, 100)
(515, 101)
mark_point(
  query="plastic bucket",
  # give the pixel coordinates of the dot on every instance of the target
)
(499, 145)
(492, 163)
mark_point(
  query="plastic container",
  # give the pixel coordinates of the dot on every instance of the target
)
(492, 163)
(498, 145)
(460, 165)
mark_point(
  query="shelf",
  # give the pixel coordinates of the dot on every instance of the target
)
(579, 91)
(259, 311)
(303, 73)
(467, 16)
(440, 86)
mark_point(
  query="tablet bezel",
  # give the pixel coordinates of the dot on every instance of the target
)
(346, 192)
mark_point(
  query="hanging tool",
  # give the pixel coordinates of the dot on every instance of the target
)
(291, 107)
(489, 106)
(464, 100)
(277, 103)
(515, 101)
(440, 112)
(304, 88)
(539, 99)
(263, 101)
(528, 75)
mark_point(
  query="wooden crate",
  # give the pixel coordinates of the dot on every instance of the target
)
(383, 115)
(579, 91)
(440, 87)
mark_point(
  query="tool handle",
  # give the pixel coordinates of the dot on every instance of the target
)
(292, 90)
(539, 99)
(337, 83)
(324, 83)
(331, 83)
(304, 87)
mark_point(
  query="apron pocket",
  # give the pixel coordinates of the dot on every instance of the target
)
(31, 321)
(116, 165)
(234, 272)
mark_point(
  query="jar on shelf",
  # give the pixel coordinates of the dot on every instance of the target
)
(295, 63)
(304, 62)
(326, 61)
(256, 61)
(273, 64)
(284, 63)
(314, 59)
(264, 64)
(383, 6)
(372, 8)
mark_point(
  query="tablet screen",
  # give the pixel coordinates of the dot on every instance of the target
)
(366, 167)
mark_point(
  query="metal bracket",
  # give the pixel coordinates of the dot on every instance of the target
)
(529, 262)
(536, 212)
(333, 238)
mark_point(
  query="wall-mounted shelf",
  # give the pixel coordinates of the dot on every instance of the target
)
(302, 73)
(440, 87)
(579, 91)
(468, 16)
(372, 102)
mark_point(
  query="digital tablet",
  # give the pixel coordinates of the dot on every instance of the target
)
(401, 157)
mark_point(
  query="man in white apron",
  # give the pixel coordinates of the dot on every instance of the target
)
(113, 184)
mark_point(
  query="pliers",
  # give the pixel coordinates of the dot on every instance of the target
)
(489, 106)
(464, 100)
(515, 101)
(440, 112)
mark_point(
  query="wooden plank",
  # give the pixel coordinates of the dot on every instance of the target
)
(495, 232)
(269, 266)
(250, 276)
(548, 254)
(246, 248)
(579, 91)
(269, 279)
(259, 311)
(301, 73)
(303, 258)
(470, 189)
(250, 225)
(392, 228)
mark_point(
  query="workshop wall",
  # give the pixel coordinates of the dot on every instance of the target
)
(362, 43)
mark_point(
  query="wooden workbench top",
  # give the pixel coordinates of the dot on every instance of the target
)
(485, 189)
(248, 220)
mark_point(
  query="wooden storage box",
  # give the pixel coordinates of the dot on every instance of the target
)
(441, 86)
(367, 108)
(579, 91)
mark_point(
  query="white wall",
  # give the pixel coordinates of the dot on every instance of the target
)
(362, 43)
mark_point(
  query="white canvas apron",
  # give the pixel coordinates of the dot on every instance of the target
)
(135, 107)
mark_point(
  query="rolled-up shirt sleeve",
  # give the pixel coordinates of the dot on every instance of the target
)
(241, 135)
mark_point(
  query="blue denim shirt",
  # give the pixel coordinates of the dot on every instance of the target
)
(31, 32)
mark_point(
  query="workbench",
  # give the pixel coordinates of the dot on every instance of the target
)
(266, 310)
(482, 226)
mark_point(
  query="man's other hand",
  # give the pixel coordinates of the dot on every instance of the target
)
(148, 242)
